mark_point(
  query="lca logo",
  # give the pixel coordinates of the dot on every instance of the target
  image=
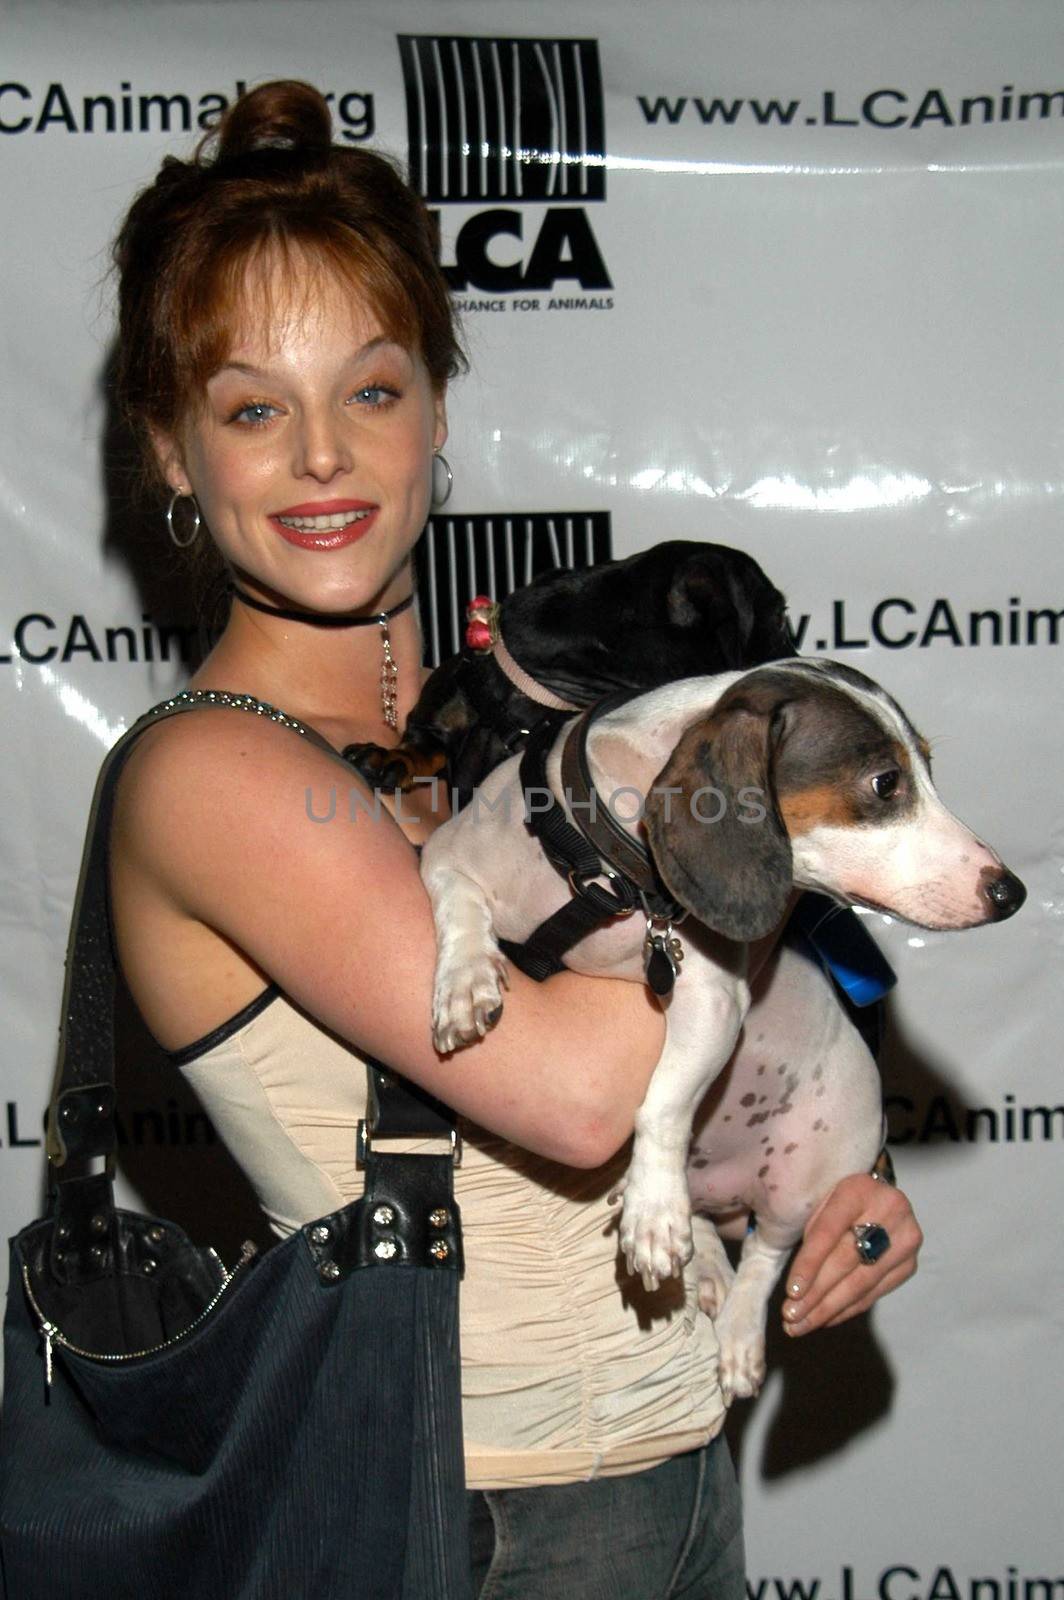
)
(518, 121)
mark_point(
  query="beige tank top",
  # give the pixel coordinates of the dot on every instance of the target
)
(570, 1370)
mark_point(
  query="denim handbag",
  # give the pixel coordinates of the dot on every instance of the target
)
(174, 1429)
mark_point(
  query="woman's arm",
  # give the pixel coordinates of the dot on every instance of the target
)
(217, 812)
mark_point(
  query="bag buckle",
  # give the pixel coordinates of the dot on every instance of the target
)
(363, 1148)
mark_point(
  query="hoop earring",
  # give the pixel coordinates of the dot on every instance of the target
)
(440, 500)
(183, 544)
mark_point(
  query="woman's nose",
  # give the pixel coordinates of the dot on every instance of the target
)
(323, 449)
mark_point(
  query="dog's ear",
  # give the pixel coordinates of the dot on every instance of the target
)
(718, 842)
(722, 599)
(702, 595)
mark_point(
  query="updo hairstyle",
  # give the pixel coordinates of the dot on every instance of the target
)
(267, 182)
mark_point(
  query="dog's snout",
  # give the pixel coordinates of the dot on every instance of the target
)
(1006, 895)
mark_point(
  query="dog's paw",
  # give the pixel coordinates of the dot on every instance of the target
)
(742, 1365)
(467, 1002)
(656, 1231)
(741, 1336)
(384, 770)
(715, 1278)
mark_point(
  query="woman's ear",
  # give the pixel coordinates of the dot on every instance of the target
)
(170, 460)
(439, 436)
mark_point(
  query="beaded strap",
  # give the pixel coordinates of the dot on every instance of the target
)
(222, 697)
(187, 698)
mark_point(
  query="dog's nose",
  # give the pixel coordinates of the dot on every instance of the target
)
(1006, 895)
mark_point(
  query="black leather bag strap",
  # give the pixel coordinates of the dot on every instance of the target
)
(81, 1112)
(400, 1110)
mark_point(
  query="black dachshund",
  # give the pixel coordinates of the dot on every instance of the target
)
(681, 609)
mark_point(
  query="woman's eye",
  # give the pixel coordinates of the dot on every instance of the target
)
(255, 414)
(375, 395)
(885, 784)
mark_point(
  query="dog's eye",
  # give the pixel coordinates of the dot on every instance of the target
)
(885, 784)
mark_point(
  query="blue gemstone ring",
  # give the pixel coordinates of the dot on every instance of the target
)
(872, 1241)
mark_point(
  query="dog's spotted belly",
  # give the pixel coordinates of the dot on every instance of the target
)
(795, 1108)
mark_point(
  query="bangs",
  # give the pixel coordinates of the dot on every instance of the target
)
(254, 280)
(266, 213)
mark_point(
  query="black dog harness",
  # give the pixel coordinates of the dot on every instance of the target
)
(596, 847)
(491, 695)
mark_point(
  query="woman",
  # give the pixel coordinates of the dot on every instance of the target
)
(286, 343)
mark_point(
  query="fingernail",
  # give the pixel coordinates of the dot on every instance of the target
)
(795, 1329)
(792, 1312)
(796, 1287)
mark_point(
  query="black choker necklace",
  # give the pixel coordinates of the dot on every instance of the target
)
(323, 619)
(389, 679)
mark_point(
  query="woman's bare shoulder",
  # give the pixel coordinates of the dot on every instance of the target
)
(202, 764)
(277, 849)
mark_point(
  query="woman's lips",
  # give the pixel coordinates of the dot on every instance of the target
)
(325, 524)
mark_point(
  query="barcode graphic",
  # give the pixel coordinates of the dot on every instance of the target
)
(504, 119)
(460, 557)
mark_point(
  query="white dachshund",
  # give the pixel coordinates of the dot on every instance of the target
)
(799, 775)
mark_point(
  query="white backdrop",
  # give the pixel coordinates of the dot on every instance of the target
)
(803, 299)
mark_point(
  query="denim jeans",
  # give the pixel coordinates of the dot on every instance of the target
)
(671, 1533)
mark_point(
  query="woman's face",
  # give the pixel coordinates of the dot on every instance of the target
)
(311, 454)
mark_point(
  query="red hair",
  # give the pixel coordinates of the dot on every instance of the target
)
(267, 184)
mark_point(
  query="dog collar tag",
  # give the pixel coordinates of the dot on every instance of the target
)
(662, 954)
(657, 968)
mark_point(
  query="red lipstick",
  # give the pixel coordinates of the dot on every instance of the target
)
(358, 517)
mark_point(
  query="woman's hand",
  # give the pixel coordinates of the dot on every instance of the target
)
(828, 1282)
